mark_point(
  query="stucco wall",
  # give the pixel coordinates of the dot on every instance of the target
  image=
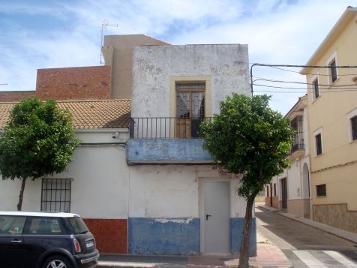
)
(118, 53)
(336, 166)
(161, 201)
(104, 186)
(156, 68)
(99, 185)
(179, 186)
(167, 151)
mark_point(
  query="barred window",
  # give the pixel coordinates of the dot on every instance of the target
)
(56, 195)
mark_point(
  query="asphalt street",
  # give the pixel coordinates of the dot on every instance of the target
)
(305, 246)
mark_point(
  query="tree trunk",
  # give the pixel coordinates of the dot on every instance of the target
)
(21, 196)
(244, 249)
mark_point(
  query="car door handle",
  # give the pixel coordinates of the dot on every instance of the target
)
(16, 241)
(207, 216)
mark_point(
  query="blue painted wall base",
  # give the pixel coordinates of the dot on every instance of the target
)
(169, 151)
(237, 235)
(179, 236)
(164, 236)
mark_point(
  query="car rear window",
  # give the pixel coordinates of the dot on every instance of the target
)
(78, 225)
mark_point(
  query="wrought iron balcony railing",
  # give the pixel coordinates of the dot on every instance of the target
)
(298, 143)
(165, 127)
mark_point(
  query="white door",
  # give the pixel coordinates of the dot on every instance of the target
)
(215, 214)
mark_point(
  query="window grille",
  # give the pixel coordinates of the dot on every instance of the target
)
(56, 195)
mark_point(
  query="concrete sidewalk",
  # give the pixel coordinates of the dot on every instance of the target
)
(268, 255)
(324, 227)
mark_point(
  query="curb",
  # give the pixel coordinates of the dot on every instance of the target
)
(105, 264)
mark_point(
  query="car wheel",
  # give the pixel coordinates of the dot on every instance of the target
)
(57, 262)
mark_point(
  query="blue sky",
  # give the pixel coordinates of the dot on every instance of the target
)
(42, 34)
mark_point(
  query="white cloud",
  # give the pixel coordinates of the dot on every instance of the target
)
(277, 31)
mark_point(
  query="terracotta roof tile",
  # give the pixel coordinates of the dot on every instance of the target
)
(87, 114)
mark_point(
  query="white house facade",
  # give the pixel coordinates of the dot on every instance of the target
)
(140, 177)
(290, 191)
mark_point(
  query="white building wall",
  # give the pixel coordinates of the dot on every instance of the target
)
(163, 191)
(155, 68)
(306, 132)
(172, 191)
(100, 179)
(103, 186)
(294, 181)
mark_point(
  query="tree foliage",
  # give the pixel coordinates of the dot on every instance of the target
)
(251, 139)
(38, 140)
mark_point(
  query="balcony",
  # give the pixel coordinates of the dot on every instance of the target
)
(166, 140)
(298, 147)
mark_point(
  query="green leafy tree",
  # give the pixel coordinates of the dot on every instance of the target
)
(38, 140)
(250, 139)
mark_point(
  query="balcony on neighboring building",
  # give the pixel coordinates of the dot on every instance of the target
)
(165, 140)
(298, 147)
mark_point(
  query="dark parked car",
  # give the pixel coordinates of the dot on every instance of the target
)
(45, 240)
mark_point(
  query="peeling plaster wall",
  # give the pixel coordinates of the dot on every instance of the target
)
(164, 209)
(156, 190)
(225, 67)
(167, 151)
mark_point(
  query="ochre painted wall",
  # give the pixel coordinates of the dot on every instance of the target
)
(336, 167)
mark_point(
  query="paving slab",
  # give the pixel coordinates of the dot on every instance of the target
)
(268, 255)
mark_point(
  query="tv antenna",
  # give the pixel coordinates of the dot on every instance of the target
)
(104, 26)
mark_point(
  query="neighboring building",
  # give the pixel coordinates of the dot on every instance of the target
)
(332, 106)
(95, 184)
(118, 54)
(70, 83)
(111, 81)
(10, 96)
(145, 185)
(74, 83)
(290, 191)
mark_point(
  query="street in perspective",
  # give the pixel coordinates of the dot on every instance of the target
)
(178, 133)
(304, 245)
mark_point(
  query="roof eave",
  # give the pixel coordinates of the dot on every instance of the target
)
(301, 103)
(345, 17)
